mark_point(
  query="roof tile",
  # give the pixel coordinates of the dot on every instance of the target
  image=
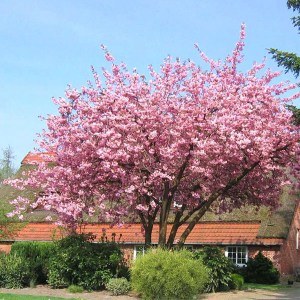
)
(35, 158)
(218, 233)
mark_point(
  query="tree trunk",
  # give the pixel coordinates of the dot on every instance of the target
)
(162, 226)
(164, 215)
(148, 227)
(190, 227)
(176, 225)
(148, 235)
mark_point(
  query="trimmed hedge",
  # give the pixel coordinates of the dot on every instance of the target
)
(37, 255)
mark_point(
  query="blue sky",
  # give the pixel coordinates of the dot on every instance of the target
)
(47, 44)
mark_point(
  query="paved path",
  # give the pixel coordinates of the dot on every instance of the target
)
(284, 294)
(255, 294)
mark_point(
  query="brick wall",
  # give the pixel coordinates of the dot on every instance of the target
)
(128, 253)
(272, 252)
(290, 256)
(5, 247)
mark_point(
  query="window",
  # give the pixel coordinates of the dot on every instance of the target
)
(139, 250)
(189, 247)
(177, 205)
(297, 239)
(237, 254)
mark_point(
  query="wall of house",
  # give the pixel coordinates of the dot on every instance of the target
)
(271, 252)
(285, 258)
(5, 247)
(128, 253)
(290, 256)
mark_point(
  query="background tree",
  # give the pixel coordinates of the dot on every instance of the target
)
(290, 61)
(167, 149)
(296, 113)
(7, 168)
(7, 229)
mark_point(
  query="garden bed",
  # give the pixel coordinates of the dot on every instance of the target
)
(45, 290)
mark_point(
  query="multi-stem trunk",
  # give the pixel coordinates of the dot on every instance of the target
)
(194, 215)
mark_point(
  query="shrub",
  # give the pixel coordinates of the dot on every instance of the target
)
(37, 255)
(237, 281)
(75, 289)
(162, 274)
(220, 268)
(14, 271)
(118, 286)
(77, 260)
(260, 269)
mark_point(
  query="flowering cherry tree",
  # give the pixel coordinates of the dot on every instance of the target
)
(168, 148)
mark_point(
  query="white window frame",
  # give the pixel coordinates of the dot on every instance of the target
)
(189, 247)
(177, 205)
(238, 249)
(297, 239)
(136, 250)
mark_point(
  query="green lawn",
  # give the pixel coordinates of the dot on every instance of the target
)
(271, 287)
(28, 297)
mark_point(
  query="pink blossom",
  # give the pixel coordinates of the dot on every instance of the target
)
(131, 147)
(109, 57)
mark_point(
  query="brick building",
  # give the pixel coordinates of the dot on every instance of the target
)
(241, 233)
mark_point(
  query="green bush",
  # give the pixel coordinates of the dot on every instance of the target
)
(118, 286)
(162, 274)
(14, 271)
(78, 260)
(237, 281)
(37, 255)
(75, 289)
(220, 268)
(260, 269)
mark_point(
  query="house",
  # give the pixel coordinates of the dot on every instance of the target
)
(241, 233)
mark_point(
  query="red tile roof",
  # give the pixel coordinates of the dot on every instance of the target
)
(35, 158)
(218, 233)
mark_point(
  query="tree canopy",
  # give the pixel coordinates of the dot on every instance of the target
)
(290, 61)
(168, 148)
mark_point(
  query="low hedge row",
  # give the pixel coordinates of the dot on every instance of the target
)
(161, 274)
(74, 260)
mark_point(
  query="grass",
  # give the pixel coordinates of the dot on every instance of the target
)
(28, 297)
(270, 287)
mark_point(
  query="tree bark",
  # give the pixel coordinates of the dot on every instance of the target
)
(148, 235)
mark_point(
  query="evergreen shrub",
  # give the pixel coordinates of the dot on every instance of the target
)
(118, 286)
(237, 281)
(75, 289)
(220, 268)
(14, 271)
(37, 255)
(260, 269)
(162, 274)
(78, 260)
